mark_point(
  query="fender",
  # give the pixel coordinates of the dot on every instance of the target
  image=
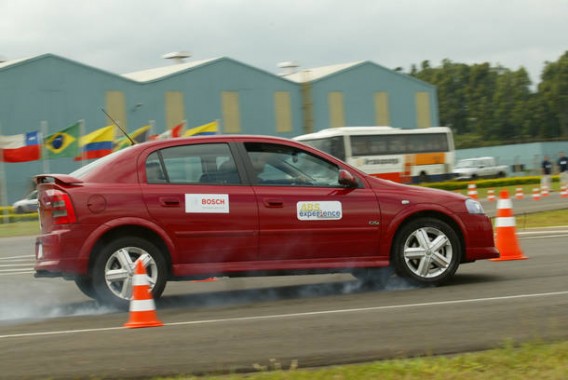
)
(398, 219)
(96, 235)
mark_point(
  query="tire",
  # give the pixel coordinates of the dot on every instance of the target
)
(20, 210)
(427, 251)
(85, 285)
(423, 177)
(115, 265)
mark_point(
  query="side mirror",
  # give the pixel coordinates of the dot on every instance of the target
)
(346, 179)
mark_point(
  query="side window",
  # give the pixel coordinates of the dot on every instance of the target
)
(333, 145)
(193, 164)
(288, 166)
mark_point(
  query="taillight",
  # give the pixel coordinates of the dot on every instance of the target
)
(62, 210)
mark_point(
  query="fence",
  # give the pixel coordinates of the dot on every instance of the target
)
(9, 216)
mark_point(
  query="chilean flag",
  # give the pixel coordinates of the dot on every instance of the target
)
(170, 133)
(21, 148)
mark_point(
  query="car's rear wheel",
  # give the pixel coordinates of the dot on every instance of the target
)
(427, 251)
(85, 285)
(115, 265)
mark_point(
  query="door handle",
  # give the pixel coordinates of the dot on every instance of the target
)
(169, 202)
(273, 202)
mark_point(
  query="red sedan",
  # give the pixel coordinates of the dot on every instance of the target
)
(198, 207)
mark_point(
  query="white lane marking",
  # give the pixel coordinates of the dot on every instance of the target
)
(296, 315)
(27, 257)
(542, 232)
(15, 273)
(543, 237)
(15, 265)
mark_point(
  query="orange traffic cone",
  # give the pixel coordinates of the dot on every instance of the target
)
(519, 193)
(564, 192)
(505, 234)
(490, 195)
(142, 307)
(536, 194)
(472, 191)
(544, 191)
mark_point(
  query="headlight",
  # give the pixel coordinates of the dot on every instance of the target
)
(474, 207)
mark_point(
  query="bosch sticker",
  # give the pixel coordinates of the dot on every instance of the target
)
(319, 210)
(207, 203)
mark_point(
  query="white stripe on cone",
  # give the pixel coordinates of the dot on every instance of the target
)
(142, 305)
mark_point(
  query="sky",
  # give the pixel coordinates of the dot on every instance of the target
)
(123, 36)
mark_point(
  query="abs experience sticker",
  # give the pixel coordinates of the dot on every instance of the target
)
(319, 210)
(207, 203)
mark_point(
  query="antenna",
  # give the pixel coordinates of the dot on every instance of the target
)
(119, 127)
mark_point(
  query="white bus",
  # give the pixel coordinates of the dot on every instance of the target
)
(400, 155)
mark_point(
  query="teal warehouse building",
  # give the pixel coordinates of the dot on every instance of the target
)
(49, 92)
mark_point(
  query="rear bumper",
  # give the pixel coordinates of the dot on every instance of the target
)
(58, 256)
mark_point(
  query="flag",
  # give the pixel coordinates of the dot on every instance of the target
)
(140, 135)
(205, 129)
(96, 144)
(64, 143)
(20, 148)
(174, 132)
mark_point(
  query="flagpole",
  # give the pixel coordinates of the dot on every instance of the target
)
(43, 129)
(81, 133)
(3, 190)
(152, 128)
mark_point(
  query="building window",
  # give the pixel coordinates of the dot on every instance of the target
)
(336, 112)
(283, 112)
(231, 112)
(382, 116)
(423, 119)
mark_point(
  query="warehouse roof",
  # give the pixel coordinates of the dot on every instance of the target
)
(309, 75)
(164, 71)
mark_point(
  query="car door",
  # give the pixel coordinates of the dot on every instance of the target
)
(196, 194)
(303, 211)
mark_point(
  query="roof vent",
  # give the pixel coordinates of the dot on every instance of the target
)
(177, 56)
(288, 67)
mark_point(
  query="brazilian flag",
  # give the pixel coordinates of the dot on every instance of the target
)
(64, 143)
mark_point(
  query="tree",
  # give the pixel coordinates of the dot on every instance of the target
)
(486, 104)
(510, 99)
(554, 91)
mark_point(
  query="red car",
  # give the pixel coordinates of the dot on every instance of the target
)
(198, 207)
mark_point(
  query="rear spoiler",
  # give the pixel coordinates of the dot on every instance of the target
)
(57, 178)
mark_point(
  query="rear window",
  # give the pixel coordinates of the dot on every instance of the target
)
(85, 170)
(187, 164)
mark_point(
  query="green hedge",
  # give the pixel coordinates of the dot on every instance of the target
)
(484, 183)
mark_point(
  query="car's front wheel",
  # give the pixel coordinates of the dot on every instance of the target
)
(115, 265)
(427, 251)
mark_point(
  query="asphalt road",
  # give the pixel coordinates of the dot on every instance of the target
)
(49, 329)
